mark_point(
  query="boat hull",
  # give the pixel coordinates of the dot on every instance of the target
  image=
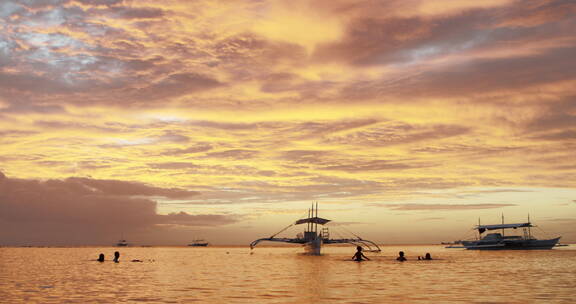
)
(511, 245)
(313, 247)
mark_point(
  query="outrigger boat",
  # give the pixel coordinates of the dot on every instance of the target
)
(313, 239)
(499, 241)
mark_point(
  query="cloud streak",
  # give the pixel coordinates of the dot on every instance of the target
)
(448, 207)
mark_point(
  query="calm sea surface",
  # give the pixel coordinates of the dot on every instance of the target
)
(284, 275)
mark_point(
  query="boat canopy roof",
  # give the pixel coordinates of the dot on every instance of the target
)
(314, 220)
(503, 226)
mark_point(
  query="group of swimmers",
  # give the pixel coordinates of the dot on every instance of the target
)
(359, 256)
(402, 258)
(116, 257)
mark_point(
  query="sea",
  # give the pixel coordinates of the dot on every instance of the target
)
(219, 274)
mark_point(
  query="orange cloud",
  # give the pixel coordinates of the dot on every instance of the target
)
(279, 102)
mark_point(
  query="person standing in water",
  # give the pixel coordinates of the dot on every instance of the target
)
(401, 257)
(101, 258)
(359, 255)
(116, 257)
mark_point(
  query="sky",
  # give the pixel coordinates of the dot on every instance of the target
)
(163, 121)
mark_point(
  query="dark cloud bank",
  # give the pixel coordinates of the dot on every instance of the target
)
(84, 211)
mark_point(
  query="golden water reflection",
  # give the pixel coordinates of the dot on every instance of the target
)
(284, 275)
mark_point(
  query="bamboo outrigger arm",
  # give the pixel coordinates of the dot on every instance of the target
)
(369, 245)
(273, 239)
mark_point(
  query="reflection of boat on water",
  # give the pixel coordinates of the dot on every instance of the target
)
(198, 243)
(500, 241)
(313, 239)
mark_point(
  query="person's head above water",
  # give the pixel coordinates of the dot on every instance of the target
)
(401, 253)
(428, 256)
(101, 257)
(359, 248)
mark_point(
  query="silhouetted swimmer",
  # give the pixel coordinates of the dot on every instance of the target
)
(359, 255)
(116, 257)
(401, 257)
(101, 258)
(428, 256)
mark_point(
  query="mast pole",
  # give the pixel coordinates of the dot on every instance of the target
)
(502, 223)
(308, 224)
(529, 224)
(311, 216)
(479, 236)
(316, 222)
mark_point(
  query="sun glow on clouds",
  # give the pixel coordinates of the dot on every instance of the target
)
(297, 22)
(388, 112)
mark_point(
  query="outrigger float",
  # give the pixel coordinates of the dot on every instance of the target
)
(313, 239)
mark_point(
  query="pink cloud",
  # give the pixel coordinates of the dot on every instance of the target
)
(88, 211)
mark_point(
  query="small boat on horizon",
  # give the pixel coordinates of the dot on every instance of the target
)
(122, 242)
(313, 239)
(500, 241)
(198, 243)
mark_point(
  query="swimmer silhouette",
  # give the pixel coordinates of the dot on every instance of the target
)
(401, 257)
(116, 257)
(101, 258)
(359, 255)
(428, 256)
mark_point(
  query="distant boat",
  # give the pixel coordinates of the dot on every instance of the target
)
(198, 243)
(122, 242)
(312, 239)
(500, 241)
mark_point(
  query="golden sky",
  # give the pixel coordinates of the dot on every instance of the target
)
(167, 120)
